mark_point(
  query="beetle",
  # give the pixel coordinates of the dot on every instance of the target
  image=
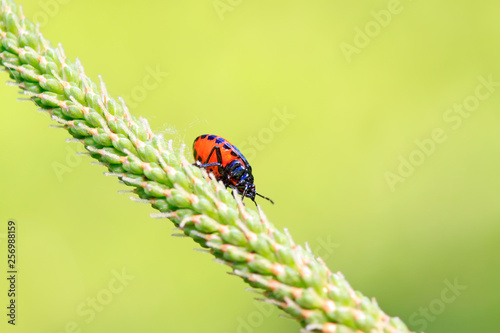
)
(219, 157)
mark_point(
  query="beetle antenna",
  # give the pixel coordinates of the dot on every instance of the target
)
(260, 195)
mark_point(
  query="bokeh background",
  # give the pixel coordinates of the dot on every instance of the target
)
(329, 118)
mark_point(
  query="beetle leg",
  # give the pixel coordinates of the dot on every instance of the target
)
(245, 191)
(207, 165)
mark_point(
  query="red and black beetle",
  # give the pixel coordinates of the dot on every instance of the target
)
(227, 163)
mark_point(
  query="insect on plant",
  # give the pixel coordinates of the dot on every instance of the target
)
(219, 157)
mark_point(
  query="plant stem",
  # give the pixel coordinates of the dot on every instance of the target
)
(289, 275)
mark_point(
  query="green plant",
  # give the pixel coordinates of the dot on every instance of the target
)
(288, 275)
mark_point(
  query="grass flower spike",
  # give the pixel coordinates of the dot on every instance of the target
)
(288, 275)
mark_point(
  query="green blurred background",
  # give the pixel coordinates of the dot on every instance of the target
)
(322, 131)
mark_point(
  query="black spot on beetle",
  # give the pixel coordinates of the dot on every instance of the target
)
(211, 137)
(233, 153)
(227, 146)
(203, 136)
